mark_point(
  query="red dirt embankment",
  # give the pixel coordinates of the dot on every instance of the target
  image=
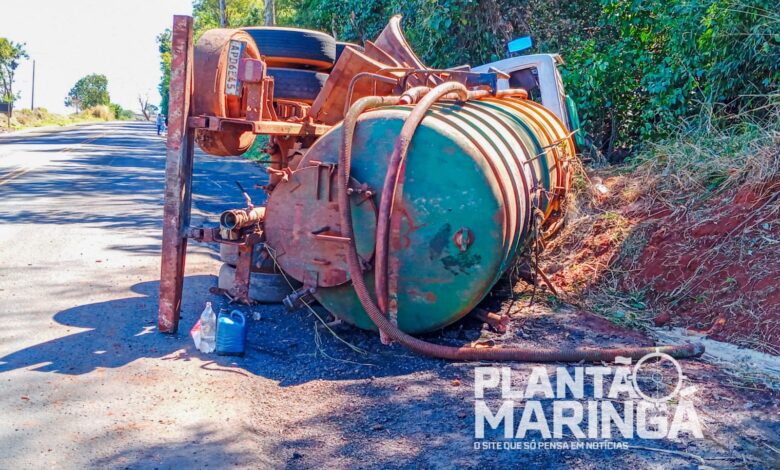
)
(716, 269)
(713, 268)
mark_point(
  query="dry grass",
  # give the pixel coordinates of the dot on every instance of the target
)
(705, 161)
(40, 117)
(101, 112)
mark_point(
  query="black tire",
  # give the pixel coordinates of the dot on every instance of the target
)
(263, 287)
(341, 45)
(294, 48)
(297, 85)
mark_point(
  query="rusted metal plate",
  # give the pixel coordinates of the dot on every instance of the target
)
(178, 177)
(260, 127)
(302, 226)
(393, 42)
(240, 289)
(330, 103)
(251, 70)
(219, 91)
(375, 52)
(289, 128)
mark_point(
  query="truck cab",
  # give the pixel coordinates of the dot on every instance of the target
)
(538, 74)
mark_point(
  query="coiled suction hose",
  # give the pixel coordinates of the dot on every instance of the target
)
(376, 315)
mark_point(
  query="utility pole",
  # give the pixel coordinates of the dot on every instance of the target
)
(270, 13)
(32, 95)
(222, 14)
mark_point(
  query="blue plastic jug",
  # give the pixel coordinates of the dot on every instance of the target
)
(231, 334)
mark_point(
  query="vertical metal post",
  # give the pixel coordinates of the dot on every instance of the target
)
(178, 176)
(32, 94)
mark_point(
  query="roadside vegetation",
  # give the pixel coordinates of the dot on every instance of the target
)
(637, 69)
(10, 55)
(40, 117)
(685, 234)
(89, 97)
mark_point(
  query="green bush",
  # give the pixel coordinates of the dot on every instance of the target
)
(637, 68)
(121, 113)
(655, 63)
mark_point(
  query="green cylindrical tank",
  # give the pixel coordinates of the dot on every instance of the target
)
(476, 172)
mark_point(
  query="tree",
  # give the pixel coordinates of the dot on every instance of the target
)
(89, 91)
(222, 14)
(236, 13)
(10, 55)
(147, 109)
(164, 46)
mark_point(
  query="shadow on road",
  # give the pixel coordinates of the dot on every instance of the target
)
(118, 332)
(116, 181)
(288, 348)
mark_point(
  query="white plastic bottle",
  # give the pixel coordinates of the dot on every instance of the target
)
(208, 330)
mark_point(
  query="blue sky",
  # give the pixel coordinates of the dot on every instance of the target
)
(72, 38)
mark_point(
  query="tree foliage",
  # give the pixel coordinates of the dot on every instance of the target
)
(451, 32)
(237, 13)
(638, 69)
(653, 64)
(120, 113)
(164, 46)
(89, 91)
(10, 55)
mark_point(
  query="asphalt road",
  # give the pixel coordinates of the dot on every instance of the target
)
(87, 382)
(85, 379)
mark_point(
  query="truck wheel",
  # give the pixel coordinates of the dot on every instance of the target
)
(297, 85)
(294, 48)
(263, 287)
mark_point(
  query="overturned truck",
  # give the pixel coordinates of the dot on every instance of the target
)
(397, 194)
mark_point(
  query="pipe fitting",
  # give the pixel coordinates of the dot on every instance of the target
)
(236, 219)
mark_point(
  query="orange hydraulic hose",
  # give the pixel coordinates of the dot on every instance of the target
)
(394, 166)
